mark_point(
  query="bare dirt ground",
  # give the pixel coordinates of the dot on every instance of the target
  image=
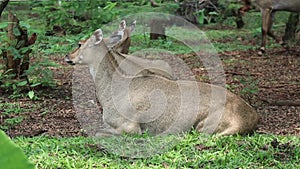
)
(271, 84)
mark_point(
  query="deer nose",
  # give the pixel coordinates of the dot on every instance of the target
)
(68, 60)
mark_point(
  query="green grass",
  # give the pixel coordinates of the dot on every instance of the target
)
(140, 43)
(12, 112)
(194, 150)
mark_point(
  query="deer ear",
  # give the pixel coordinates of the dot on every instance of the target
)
(132, 26)
(81, 42)
(122, 25)
(98, 36)
(118, 35)
(115, 39)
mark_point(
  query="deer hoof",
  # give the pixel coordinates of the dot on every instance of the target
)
(261, 51)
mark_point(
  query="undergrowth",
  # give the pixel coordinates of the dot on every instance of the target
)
(194, 150)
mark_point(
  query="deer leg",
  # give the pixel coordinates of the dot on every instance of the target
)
(119, 123)
(107, 132)
(130, 127)
(270, 32)
(126, 127)
(266, 19)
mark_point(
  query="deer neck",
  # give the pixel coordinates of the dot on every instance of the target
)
(103, 69)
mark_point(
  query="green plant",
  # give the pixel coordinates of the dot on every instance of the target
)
(43, 77)
(107, 14)
(229, 10)
(202, 16)
(71, 14)
(15, 85)
(38, 73)
(4, 76)
(13, 121)
(11, 156)
(51, 14)
(11, 113)
(10, 108)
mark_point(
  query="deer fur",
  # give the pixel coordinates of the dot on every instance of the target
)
(149, 102)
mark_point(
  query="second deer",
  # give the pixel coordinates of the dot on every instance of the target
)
(268, 9)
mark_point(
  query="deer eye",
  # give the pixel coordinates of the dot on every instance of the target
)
(79, 45)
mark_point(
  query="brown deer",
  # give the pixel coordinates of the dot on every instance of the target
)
(142, 101)
(268, 9)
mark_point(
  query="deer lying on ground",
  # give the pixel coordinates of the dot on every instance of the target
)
(143, 101)
(268, 9)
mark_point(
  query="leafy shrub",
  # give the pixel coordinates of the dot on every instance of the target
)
(39, 72)
(70, 14)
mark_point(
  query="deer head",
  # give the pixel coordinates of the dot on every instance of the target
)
(118, 41)
(85, 53)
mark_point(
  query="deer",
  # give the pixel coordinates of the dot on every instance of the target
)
(143, 101)
(268, 9)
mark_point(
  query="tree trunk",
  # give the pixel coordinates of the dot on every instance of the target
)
(17, 54)
(239, 20)
(291, 27)
(3, 4)
(157, 29)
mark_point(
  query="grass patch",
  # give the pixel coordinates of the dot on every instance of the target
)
(141, 43)
(179, 41)
(11, 113)
(230, 40)
(193, 151)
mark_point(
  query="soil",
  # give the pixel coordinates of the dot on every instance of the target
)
(270, 83)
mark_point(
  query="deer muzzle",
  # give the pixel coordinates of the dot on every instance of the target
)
(68, 60)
